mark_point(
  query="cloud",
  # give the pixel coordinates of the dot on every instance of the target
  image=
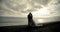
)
(54, 6)
(23, 7)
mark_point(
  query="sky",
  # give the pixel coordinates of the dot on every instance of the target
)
(21, 8)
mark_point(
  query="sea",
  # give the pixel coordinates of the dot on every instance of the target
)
(12, 21)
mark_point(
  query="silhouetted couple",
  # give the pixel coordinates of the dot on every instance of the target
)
(30, 20)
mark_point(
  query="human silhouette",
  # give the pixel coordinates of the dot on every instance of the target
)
(30, 20)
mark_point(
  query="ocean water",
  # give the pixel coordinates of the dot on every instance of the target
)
(9, 21)
(13, 21)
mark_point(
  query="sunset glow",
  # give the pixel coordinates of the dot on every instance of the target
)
(41, 12)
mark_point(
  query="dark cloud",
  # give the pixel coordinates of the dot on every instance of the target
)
(0, 1)
(58, 1)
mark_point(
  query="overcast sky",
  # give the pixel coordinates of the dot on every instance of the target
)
(23, 7)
